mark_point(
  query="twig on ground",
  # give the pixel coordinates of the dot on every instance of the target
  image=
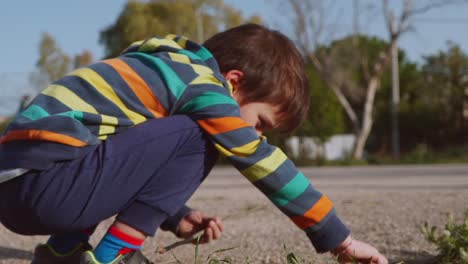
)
(197, 236)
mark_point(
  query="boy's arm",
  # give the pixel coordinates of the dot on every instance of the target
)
(172, 222)
(188, 222)
(266, 166)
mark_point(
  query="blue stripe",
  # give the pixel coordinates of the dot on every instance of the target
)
(279, 178)
(92, 96)
(153, 80)
(207, 99)
(174, 83)
(215, 111)
(121, 88)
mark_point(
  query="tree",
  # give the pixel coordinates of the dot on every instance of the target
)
(326, 117)
(83, 59)
(446, 80)
(431, 105)
(310, 24)
(411, 130)
(53, 63)
(196, 19)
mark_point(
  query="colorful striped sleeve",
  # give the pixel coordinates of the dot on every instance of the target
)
(266, 166)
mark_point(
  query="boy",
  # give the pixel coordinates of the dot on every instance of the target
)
(135, 136)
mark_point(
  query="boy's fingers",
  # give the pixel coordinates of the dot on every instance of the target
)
(380, 259)
(208, 235)
(219, 223)
(215, 228)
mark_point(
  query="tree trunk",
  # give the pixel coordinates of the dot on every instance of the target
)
(367, 120)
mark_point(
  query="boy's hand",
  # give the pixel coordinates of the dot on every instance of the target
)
(196, 221)
(355, 251)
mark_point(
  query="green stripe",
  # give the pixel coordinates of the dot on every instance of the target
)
(291, 190)
(78, 115)
(175, 84)
(205, 100)
(35, 112)
(204, 54)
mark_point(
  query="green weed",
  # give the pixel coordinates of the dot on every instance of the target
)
(452, 242)
(212, 257)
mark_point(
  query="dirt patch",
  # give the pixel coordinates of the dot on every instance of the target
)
(384, 206)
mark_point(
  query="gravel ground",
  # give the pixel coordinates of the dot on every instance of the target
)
(384, 206)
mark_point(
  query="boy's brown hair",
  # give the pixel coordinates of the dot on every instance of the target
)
(274, 70)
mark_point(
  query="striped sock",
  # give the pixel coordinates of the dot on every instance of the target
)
(115, 243)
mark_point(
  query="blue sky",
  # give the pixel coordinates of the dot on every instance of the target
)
(76, 26)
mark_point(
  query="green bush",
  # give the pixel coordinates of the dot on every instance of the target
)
(452, 242)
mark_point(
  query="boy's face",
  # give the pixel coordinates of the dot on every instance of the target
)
(262, 116)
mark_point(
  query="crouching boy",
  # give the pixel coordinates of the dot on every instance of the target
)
(134, 136)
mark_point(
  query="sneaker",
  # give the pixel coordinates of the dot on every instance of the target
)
(134, 257)
(45, 254)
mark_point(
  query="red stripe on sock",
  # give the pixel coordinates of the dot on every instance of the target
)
(125, 237)
(124, 251)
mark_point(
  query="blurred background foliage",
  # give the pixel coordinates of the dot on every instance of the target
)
(433, 92)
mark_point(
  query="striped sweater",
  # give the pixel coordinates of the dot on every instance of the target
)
(156, 78)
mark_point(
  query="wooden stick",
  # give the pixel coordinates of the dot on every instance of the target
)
(195, 238)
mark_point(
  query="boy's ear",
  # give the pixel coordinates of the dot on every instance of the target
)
(234, 77)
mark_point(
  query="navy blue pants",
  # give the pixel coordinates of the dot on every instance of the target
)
(144, 175)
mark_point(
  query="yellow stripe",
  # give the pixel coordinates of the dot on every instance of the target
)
(179, 58)
(205, 74)
(247, 149)
(69, 98)
(73, 101)
(182, 40)
(223, 150)
(108, 124)
(106, 90)
(265, 166)
(206, 79)
(242, 151)
(170, 36)
(136, 43)
(153, 43)
(201, 70)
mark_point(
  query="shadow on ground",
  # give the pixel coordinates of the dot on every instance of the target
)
(412, 257)
(13, 253)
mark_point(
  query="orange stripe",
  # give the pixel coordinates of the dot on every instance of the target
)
(139, 87)
(222, 124)
(42, 135)
(315, 214)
